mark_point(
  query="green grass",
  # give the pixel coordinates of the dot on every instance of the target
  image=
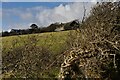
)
(54, 40)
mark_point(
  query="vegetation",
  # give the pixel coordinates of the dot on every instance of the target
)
(35, 29)
(27, 56)
(44, 39)
(92, 51)
(96, 50)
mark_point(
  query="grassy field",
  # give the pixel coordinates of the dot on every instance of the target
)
(54, 40)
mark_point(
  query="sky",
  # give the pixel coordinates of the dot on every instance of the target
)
(20, 15)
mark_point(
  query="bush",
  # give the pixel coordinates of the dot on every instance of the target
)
(28, 61)
(95, 46)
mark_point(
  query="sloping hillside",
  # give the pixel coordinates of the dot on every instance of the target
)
(93, 51)
(36, 51)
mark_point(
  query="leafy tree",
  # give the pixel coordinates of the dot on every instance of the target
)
(34, 26)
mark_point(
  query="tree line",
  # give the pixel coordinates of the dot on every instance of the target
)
(51, 28)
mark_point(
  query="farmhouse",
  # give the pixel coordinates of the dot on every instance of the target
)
(15, 30)
(60, 28)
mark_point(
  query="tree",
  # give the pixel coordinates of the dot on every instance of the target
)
(6, 33)
(34, 26)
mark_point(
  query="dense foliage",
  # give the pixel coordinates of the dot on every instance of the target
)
(96, 46)
(92, 51)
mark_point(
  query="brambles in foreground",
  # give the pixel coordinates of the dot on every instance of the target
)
(95, 51)
(92, 52)
(26, 61)
(29, 60)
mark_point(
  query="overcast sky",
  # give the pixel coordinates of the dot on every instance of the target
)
(19, 15)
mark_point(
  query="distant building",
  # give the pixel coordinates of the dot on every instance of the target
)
(15, 30)
(73, 25)
(59, 28)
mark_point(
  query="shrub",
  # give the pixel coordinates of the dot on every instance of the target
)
(95, 46)
(27, 61)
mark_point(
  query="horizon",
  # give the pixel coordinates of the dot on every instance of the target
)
(19, 15)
